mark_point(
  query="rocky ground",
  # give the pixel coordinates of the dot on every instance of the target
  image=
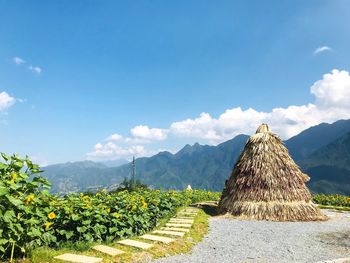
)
(232, 240)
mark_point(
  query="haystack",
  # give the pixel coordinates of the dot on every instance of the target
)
(266, 184)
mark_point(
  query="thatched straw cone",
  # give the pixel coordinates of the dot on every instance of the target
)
(266, 184)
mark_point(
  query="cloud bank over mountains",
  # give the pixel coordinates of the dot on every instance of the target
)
(332, 102)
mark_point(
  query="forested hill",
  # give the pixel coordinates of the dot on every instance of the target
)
(322, 151)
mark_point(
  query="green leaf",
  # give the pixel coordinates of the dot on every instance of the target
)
(9, 216)
(5, 157)
(14, 201)
(34, 232)
(49, 238)
(18, 165)
(3, 190)
(81, 229)
(3, 166)
(75, 217)
(69, 234)
(86, 222)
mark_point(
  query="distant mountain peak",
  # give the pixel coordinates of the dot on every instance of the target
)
(164, 153)
(189, 149)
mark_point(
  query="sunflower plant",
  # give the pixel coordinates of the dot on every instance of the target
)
(31, 217)
(23, 205)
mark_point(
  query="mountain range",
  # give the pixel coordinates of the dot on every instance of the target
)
(322, 151)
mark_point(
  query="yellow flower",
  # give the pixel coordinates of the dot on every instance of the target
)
(86, 198)
(14, 177)
(144, 204)
(47, 225)
(108, 210)
(115, 214)
(52, 215)
(29, 199)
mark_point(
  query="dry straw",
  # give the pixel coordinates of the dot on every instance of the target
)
(266, 184)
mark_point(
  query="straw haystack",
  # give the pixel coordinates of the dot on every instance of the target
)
(266, 184)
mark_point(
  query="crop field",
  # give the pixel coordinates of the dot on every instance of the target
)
(31, 217)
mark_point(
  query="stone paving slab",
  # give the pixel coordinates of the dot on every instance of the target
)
(177, 220)
(78, 258)
(166, 232)
(134, 243)
(179, 229)
(108, 250)
(165, 240)
(186, 213)
(178, 225)
(189, 210)
(184, 217)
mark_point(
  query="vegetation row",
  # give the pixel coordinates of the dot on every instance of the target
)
(30, 216)
(332, 200)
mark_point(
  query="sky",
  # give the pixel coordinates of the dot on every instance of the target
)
(105, 80)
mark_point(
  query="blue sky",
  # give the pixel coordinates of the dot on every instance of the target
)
(160, 74)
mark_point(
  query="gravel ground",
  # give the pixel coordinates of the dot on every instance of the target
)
(232, 240)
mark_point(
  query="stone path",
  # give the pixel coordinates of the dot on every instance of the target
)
(134, 243)
(162, 239)
(167, 232)
(78, 258)
(177, 227)
(108, 250)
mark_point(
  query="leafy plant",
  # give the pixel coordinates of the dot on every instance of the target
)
(24, 206)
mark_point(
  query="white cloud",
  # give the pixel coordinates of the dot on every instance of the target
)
(322, 49)
(333, 90)
(114, 137)
(112, 151)
(144, 132)
(6, 101)
(331, 103)
(18, 60)
(33, 69)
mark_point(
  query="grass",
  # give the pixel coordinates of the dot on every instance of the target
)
(339, 208)
(181, 245)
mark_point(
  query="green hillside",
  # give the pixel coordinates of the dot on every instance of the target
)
(207, 167)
